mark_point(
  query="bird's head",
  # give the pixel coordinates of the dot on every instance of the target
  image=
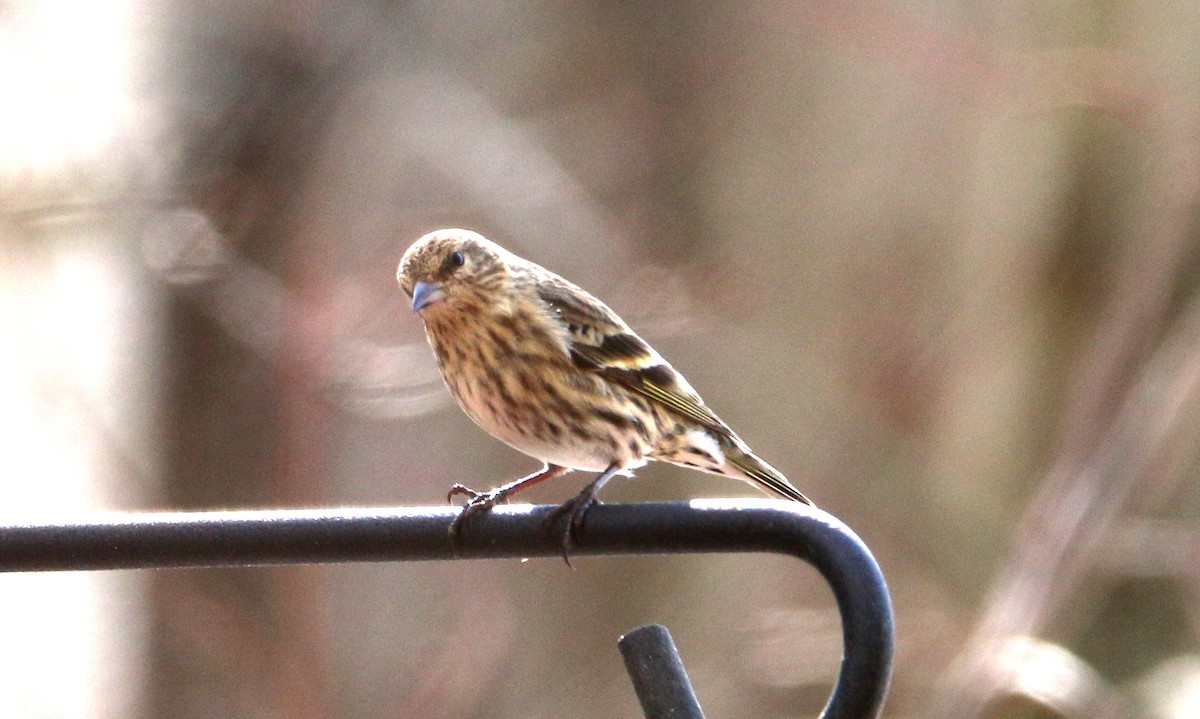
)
(457, 269)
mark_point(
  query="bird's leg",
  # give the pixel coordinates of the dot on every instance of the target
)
(480, 502)
(576, 509)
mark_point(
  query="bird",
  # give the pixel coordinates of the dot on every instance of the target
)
(542, 365)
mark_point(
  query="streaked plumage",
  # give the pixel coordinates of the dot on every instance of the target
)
(549, 369)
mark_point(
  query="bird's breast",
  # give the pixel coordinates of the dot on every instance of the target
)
(518, 385)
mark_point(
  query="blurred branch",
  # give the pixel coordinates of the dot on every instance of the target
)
(1125, 407)
(1050, 676)
(1065, 524)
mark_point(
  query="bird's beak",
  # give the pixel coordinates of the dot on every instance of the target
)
(425, 294)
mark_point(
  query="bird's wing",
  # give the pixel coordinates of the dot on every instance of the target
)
(601, 342)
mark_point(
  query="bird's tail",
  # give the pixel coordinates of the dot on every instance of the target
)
(762, 474)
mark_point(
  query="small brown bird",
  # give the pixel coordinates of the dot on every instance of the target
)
(549, 369)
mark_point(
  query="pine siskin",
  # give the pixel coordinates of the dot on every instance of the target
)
(549, 369)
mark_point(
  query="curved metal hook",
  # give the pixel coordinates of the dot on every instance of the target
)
(241, 538)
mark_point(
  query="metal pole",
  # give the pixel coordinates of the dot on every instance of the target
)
(658, 676)
(205, 539)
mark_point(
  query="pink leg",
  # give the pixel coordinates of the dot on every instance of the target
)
(480, 502)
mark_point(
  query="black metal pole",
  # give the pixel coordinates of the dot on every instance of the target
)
(204, 539)
(658, 676)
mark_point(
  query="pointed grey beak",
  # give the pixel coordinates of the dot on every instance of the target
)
(425, 294)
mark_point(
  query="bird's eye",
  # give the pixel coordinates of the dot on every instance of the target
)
(458, 259)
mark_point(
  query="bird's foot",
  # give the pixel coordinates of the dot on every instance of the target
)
(480, 502)
(575, 511)
(576, 508)
(477, 503)
(462, 489)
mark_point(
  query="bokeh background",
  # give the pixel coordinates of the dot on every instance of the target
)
(936, 261)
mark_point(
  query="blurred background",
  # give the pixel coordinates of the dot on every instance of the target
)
(936, 261)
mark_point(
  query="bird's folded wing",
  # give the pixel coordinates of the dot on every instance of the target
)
(601, 342)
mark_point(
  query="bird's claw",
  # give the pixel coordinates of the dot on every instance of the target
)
(477, 503)
(457, 489)
(575, 510)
